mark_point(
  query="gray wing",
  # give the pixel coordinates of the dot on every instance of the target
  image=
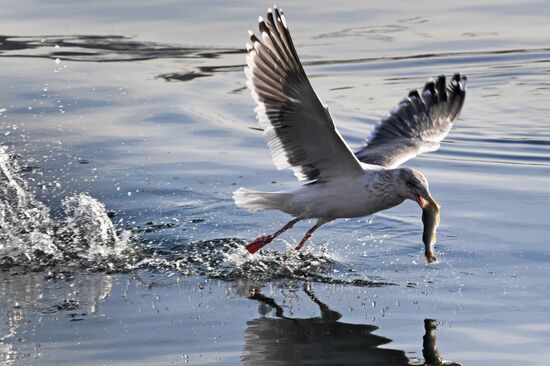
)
(298, 128)
(417, 125)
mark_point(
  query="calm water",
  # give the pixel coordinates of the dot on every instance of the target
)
(136, 113)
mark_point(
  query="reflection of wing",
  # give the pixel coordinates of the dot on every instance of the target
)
(297, 127)
(418, 125)
(291, 342)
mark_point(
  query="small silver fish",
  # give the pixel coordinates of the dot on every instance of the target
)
(430, 219)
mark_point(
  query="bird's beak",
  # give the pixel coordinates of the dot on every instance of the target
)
(427, 201)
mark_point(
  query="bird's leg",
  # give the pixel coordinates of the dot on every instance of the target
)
(264, 240)
(327, 314)
(308, 235)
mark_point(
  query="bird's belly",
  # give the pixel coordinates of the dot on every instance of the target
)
(356, 207)
(339, 202)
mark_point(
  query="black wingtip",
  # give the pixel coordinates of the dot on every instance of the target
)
(414, 94)
(458, 82)
(277, 12)
(262, 26)
(430, 86)
(440, 86)
(253, 38)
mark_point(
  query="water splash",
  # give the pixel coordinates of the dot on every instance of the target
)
(30, 236)
(88, 231)
(228, 259)
(27, 229)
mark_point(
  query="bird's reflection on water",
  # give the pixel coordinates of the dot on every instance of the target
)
(325, 340)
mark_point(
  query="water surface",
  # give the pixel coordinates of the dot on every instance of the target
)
(127, 126)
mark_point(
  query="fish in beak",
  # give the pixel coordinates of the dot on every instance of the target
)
(430, 219)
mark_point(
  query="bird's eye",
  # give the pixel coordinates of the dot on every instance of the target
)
(411, 184)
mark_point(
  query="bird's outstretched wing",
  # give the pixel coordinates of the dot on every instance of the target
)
(298, 128)
(417, 125)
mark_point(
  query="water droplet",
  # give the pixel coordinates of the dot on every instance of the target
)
(57, 60)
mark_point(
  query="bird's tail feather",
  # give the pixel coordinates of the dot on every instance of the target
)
(259, 201)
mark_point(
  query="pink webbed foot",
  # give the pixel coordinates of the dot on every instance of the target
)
(259, 243)
(264, 240)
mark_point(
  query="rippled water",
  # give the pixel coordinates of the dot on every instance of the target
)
(125, 127)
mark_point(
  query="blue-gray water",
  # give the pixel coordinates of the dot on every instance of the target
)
(137, 111)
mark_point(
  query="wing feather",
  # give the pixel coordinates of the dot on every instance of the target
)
(418, 124)
(298, 129)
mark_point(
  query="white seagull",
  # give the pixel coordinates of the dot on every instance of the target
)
(301, 135)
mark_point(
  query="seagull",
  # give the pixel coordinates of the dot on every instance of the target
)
(301, 135)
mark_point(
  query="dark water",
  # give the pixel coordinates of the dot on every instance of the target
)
(127, 126)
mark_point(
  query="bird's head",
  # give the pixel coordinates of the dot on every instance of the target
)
(414, 185)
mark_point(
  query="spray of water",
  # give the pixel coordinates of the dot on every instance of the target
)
(30, 236)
